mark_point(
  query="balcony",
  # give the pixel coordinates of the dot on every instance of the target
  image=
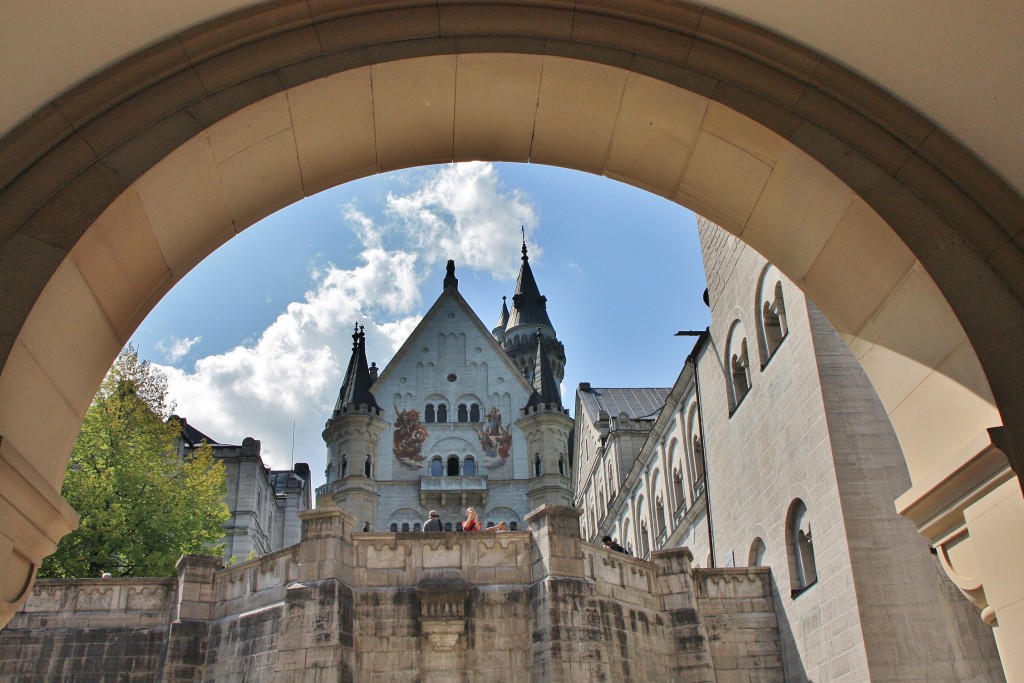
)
(462, 491)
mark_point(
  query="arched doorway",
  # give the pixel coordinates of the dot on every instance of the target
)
(897, 233)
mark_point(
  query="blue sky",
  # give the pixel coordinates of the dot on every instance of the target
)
(257, 336)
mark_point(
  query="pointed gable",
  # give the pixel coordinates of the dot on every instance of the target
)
(451, 294)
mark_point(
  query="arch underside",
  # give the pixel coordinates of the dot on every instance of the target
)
(113, 192)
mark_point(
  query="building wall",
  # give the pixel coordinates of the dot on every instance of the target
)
(810, 428)
(536, 605)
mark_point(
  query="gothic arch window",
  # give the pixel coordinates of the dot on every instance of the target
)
(368, 467)
(536, 466)
(770, 310)
(469, 467)
(561, 466)
(659, 515)
(437, 467)
(405, 527)
(737, 363)
(453, 465)
(755, 558)
(442, 413)
(677, 489)
(394, 527)
(463, 413)
(428, 413)
(803, 571)
(698, 466)
(344, 465)
(474, 413)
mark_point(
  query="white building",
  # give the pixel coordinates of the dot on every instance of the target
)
(461, 416)
(264, 503)
(773, 449)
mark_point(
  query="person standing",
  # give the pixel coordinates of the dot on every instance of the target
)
(433, 523)
(471, 523)
(612, 545)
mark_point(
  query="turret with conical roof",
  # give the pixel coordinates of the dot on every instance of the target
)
(545, 386)
(527, 319)
(498, 331)
(355, 389)
(351, 435)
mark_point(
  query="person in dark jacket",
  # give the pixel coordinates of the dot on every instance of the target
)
(612, 545)
(434, 523)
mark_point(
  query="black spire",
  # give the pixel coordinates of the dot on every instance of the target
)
(503, 316)
(545, 386)
(355, 390)
(529, 306)
(449, 278)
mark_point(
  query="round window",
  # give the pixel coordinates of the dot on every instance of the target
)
(452, 377)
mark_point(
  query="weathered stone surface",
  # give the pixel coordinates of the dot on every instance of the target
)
(404, 607)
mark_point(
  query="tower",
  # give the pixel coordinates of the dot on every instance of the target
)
(547, 427)
(352, 434)
(517, 329)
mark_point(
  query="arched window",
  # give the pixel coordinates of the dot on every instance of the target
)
(677, 489)
(737, 363)
(453, 465)
(803, 572)
(474, 413)
(442, 413)
(463, 413)
(437, 467)
(771, 313)
(514, 526)
(561, 466)
(469, 467)
(698, 466)
(428, 413)
(536, 466)
(405, 527)
(344, 465)
(756, 556)
(394, 527)
(417, 527)
(368, 467)
(447, 526)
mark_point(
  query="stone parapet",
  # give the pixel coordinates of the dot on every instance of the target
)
(737, 607)
(96, 603)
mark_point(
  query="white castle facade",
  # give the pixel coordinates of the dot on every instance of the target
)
(462, 416)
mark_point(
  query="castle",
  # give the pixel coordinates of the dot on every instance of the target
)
(755, 496)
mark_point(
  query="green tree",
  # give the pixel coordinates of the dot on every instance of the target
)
(142, 505)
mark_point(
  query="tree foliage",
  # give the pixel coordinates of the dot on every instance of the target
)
(142, 504)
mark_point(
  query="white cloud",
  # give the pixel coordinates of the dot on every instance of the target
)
(174, 348)
(464, 212)
(292, 370)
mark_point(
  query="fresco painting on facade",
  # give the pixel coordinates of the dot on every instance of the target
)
(409, 436)
(495, 440)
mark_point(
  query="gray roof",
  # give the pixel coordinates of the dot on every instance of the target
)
(636, 403)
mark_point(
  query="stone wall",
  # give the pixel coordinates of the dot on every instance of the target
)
(89, 630)
(536, 605)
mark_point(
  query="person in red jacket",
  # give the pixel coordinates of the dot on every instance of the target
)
(471, 523)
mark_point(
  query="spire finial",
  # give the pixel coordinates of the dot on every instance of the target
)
(449, 279)
(523, 228)
(355, 336)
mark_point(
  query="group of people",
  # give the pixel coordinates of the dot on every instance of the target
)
(472, 523)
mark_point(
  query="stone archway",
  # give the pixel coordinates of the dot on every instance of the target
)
(903, 238)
